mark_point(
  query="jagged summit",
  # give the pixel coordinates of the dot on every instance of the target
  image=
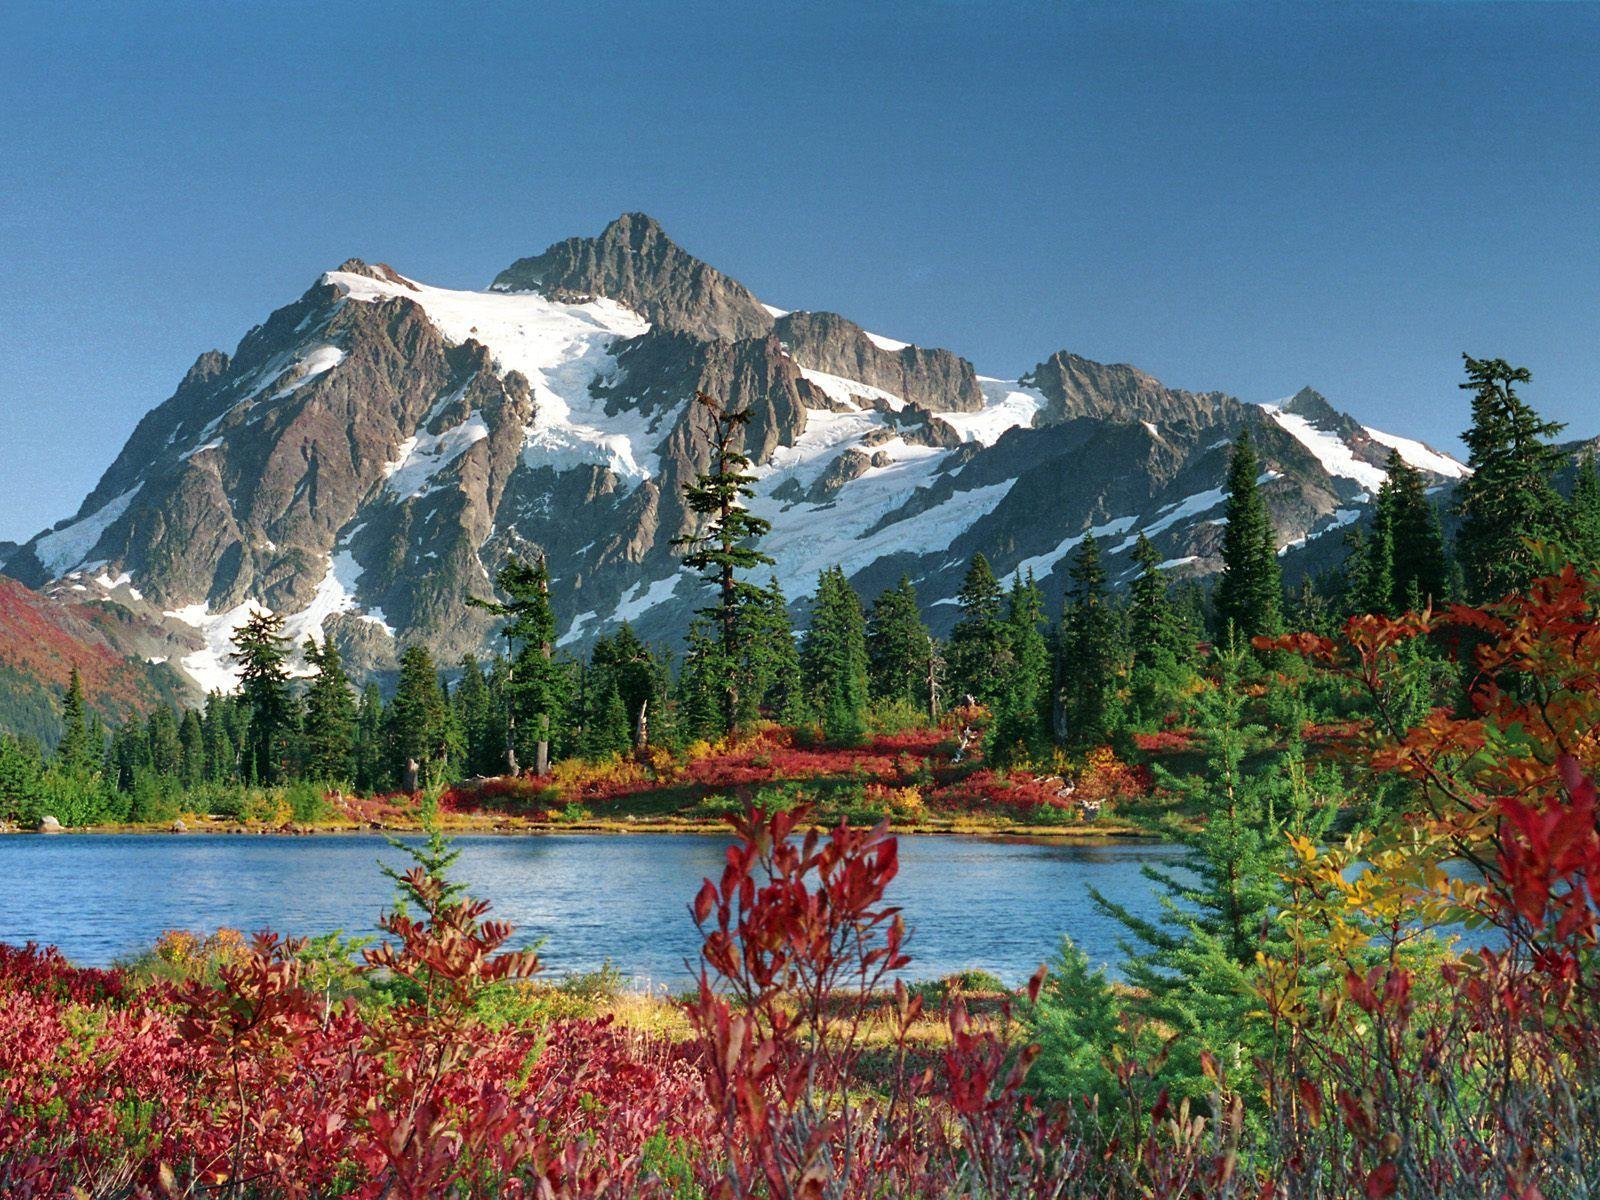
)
(379, 271)
(634, 262)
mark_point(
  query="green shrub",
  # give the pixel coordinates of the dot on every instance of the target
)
(1076, 1024)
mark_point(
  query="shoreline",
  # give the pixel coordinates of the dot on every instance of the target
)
(620, 827)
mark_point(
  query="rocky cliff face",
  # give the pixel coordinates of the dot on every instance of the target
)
(368, 457)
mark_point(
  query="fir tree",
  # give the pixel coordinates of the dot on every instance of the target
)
(1022, 714)
(976, 659)
(420, 731)
(78, 750)
(726, 545)
(330, 721)
(769, 660)
(1155, 626)
(1162, 642)
(833, 658)
(538, 683)
(371, 755)
(166, 749)
(192, 739)
(1419, 571)
(1249, 593)
(222, 752)
(1508, 499)
(1371, 583)
(1192, 969)
(1585, 535)
(700, 684)
(1088, 653)
(260, 650)
(482, 729)
(899, 648)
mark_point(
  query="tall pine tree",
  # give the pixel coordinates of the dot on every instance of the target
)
(1163, 644)
(976, 659)
(77, 751)
(725, 545)
(261, 652)
(899, 648)
(1249, 595)
(1585, 534)
(1021, 725)
(1419, 572)
(537, 684)
(1508, 499)
(1088, 653)
(833, 658)
(330, 721)
(420, 732)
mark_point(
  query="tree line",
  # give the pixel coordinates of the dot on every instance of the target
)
(1110, 659)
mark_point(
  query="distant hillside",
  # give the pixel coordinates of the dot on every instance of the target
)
(42, 639)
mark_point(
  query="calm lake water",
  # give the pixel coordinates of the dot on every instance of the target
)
(999, 905)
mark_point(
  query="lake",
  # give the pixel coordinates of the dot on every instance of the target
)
(996, 904)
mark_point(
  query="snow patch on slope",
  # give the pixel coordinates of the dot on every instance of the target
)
(67, 547)
(560, 349)
(1041, 565)
(1336, 458)
(1419, 455)
(883, 343)
(847, 391)
(1007, 406)
(424, 455)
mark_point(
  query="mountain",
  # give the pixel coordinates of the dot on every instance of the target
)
(369, 455)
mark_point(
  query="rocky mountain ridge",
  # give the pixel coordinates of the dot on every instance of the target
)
(370, 454)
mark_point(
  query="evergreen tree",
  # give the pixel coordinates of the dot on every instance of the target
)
(1508, 499)
(833, 658)
(22, 781)
(538, 683)
(330, 721)
(482, 728)
(1585, 536)
(222, 752)
(1249, 593)
(769, 660)
(192, 739)
(78, 751)
(603, 717)
(371, 752)
(1419, 571)
(899, 648)
(420, 732)
(1088, 653)
(1191, 970)
(1162, 642)
(1371, 582)
(166, 748)
(700, 689)
(727, 543)
(1155, 626)
(1022, 714)
(977, 657)
(260, 651)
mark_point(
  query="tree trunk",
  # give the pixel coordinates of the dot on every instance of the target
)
(408, 778)
(641, 726)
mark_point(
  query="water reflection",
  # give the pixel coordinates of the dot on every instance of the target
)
(991, 903)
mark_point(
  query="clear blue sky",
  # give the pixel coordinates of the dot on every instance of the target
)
(1232, 197)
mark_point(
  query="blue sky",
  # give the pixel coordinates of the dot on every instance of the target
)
(1232, 197)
